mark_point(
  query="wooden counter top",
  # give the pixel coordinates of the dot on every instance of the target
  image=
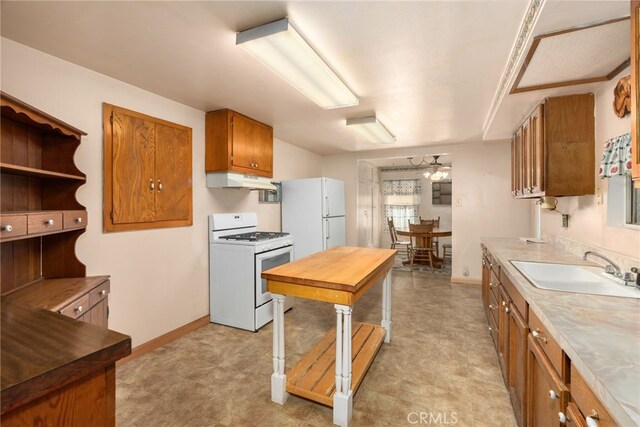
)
(339, 275)
(41, 350)
(54, 294)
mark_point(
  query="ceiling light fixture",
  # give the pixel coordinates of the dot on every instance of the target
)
(283, 50)
(436, 171)
(372, 129)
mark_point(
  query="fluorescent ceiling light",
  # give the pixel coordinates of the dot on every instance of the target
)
(283, 50)
(372, 129)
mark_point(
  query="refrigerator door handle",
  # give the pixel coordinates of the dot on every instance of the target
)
(326, 198)
(328, 229)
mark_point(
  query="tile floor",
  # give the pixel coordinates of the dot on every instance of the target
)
(441, 363)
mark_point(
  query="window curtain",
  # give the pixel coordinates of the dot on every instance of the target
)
(616, 158)
(401, 201)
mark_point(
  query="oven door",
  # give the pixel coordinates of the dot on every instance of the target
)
(264, 262)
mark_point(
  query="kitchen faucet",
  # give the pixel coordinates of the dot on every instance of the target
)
(611, 268)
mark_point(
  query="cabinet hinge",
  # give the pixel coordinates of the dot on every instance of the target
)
(111, 118)
(111, 215)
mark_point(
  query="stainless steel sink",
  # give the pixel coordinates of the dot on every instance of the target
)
(580, 279)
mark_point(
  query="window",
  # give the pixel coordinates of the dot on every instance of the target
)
(623, 202)
(632, 202)
(401, 201)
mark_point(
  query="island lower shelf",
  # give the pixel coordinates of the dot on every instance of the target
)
(313, 377)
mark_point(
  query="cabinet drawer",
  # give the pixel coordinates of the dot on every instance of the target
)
(493, 330)
(76, 308)
(515, 296)
(13, 225)
(493, 307)
(99, 293)
(494, 285)
(587, 402)
(74, 219)
(44, 222)
(550, 347)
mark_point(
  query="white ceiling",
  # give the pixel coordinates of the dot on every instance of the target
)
(427, 70)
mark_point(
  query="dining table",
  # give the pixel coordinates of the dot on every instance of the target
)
(424, 239)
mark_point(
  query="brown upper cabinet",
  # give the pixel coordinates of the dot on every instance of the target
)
(635, 91)
(553, 150)
(237, 143)
(147, 172)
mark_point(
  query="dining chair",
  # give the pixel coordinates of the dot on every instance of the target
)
(447, 252)
(394, 238)
(421, 246)
(436, 224)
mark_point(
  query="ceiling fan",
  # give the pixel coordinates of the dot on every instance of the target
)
(436, 171)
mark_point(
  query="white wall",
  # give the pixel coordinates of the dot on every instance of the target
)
(482, 184)
(159, 278)
(588, 221)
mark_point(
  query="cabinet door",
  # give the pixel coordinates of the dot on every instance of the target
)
(574, 417)
(546, 393)
(527, 166)
(635, 91)
(173, 173)
(517, 173)
(147, 172)
(486, 278)
(503, 333)
(133, 157)
(518, 331)
(537, 150)
(514, 167)
(243, 134)
(263, 149)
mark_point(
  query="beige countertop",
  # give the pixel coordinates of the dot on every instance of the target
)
(600, 334)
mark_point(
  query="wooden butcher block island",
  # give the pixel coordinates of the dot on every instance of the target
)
(334, 368)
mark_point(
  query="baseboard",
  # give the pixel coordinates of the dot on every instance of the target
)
(164, 339)
(465, 280)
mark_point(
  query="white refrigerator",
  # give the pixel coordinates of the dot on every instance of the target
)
(313, 211)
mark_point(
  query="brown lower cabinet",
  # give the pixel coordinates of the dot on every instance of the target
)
(545, 388)
(518, 332)
(547, 393)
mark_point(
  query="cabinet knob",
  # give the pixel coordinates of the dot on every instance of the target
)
(79, 309)
(160, 186)
(492, 307)
(7, 227)
(553, 395)
(592, 420)
(103, 292)
(562, 418)
(507, 310)
(151, 184)
(79, 220)
(490, 329)
(48, 222)
(536, 335)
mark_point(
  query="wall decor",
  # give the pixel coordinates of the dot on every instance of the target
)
(622, 97)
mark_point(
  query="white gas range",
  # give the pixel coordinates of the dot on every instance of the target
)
(238, 254)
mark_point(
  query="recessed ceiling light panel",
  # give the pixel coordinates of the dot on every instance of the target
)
(372, 129)
(283, 50)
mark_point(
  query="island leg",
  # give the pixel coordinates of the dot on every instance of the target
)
(278, 378)
(386, 306)
(343, 396)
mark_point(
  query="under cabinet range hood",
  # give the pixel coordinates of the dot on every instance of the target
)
(238, 180)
